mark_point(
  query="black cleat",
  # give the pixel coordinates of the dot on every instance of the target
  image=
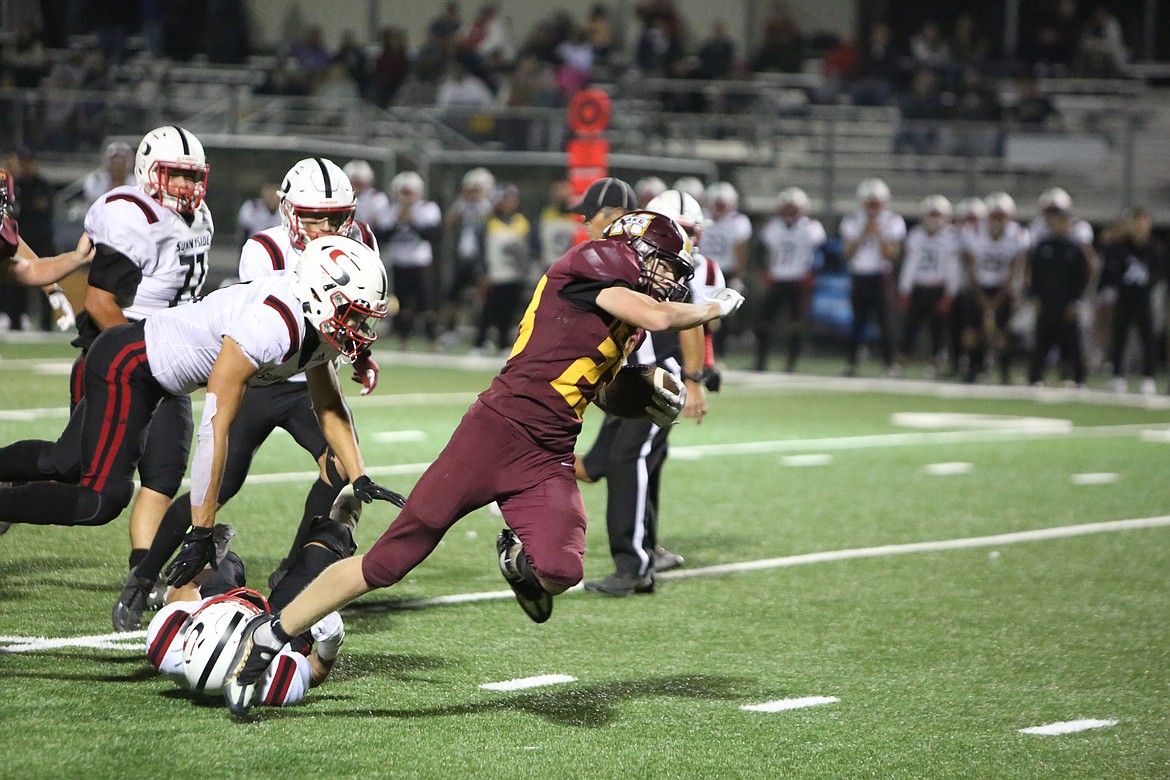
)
(618, 584)
(252, 659)
(536, 602)
(132, 602)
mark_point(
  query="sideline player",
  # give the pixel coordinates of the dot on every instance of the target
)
(585, 317)
(303, 664)
(236, 337)
(316, 200)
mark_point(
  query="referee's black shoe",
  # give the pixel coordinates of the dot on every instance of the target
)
(618, 584)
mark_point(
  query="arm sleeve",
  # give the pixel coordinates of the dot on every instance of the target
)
(582, 293)
(115, 273)
(287, 679)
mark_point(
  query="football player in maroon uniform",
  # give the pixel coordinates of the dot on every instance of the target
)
(515, 445)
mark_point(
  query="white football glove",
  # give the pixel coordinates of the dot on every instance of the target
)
(328, 633)
(62, 311)
(727, 299)
(667, 404)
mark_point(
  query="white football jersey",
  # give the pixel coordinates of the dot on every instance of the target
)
(373, 208)
(931, 260)
(868, 259)
(992, 257)
(171, 254)
(791, 248)
(406, 247)
(254, 216)
(708, 277)
(264, 317)
(270, 252)
(721, 237)
(1079, 231)
(286, 681)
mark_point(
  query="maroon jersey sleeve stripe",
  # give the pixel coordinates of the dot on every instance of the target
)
(162, 641)
(290, 322)
(274, 253)
(151, 217)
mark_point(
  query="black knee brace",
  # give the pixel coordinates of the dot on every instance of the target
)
(337, 537)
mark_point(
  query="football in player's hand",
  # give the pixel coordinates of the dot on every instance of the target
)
(641, 392)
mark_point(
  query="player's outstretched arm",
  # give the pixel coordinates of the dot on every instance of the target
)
(226, 386)
(645, 312)
(27, 269)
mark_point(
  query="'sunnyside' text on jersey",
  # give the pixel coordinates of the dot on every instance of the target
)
(171, 253)
(264, 317)
(568, 347)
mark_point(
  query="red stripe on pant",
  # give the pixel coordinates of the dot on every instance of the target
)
(78, 382)
(118, 377)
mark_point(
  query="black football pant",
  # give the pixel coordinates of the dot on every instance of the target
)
(263, 410)
(924, 303)
(629, 455)
(1054, 328)
(90, 483)
(780, 297)
(1133, 310)
(867, 295)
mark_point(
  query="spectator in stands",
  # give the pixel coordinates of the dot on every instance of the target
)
(285, 78)
(335, 85)
(660, 44)
(390, 68)
(781, 47)
(119, 170)
(260, 213)
(507, 251)
(431, 60)
(976, 108)
(921, 111)
(351, 56)
(1057, 39)
(414, 230)
(1133, 266)
(968, 47)
(715, 54)
(873, 238)
(880, 70)
(459, 87)
(575, 63)
(445, 26)
(1101, 51)
(309, 53)
(490, 39)
(599, 29)
(1032, 110)
(25, 62)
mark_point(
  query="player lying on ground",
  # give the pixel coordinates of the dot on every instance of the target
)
(515, 445)
(193, 638)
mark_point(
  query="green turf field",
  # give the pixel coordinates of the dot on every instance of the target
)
(934, 658)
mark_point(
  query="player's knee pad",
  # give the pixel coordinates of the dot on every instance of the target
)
(334, 474)
(165, 480)
(329, 533)
(94, 509)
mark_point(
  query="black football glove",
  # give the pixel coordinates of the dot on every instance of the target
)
(713, 379)
(198, 550)
(368, 490)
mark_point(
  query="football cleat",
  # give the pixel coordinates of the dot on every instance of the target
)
(132, 602)
(618, 584)
(536, 602)
(250, 662)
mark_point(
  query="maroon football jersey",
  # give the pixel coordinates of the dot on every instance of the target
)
(9, 237)
(567, 347)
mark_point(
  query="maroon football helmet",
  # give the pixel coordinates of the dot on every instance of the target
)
(663, 250)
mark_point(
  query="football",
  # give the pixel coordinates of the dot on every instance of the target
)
(633, 389)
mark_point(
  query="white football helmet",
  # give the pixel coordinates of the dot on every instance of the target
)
(691, 185)
(343, 290)
(649, 188)
(214, 635)
(723, 193)
(408, 186)
(935, 211)
(873, 190)
(792, 202)
(315, 189)
(970, 210)
(1000, 203)
(1055, 199)
(480, 179)
(683, 209)
(170, 167)
(359, 172)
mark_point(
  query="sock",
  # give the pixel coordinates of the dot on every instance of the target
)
(317, 504)
(136, 556)
(167, 538)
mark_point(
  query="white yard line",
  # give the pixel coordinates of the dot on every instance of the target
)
(110, 641)
(525, 683)
(784, 705)
(1068, 727)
